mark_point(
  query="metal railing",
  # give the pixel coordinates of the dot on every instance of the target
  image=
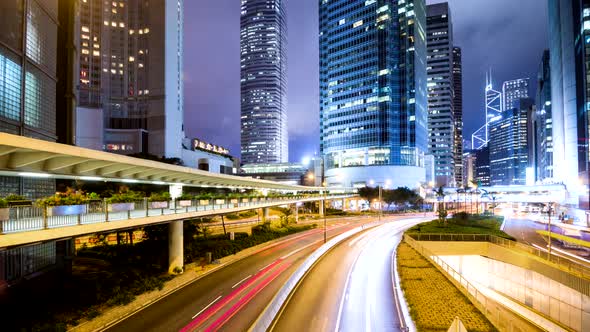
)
(29, 218)
(502, 318)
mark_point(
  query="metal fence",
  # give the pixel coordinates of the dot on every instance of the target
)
(502, 318)
(565, 263)
(28, 218)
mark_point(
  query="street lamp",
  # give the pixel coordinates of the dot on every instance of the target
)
(549, 227)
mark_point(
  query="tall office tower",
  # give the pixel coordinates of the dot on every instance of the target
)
(263, 58)
(493, 102)
(131, 56)
(482, 166)
(513, 91)
(441, 119)
(568, 45)
(458, 115)
(509, 155)
(542, 124)
(373, 116)
(469, 161)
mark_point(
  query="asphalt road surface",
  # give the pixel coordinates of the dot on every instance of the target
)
(231, 298)
(351, 287)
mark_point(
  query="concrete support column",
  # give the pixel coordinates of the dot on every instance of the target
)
(175, 246)
(264, 212)
(321, 208)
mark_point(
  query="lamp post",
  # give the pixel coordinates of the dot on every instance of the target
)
(549, 227)
(380, 205)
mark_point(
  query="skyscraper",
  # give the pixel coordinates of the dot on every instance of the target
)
(513, 91)
(542, 124)
(131, 55)
(509, 154)
(373, 116)
(493, 103)
(263, 59)
(441, 117)
(458, 115)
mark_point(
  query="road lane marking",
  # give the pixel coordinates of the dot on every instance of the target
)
(208, 305)
(241, 281)
(269, 264)
(300, 249)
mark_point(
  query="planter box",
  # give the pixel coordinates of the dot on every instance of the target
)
(159, 205)
(220, 201)
(204, 202)
(184, 203)
(66, 210)
(4, 214)
(254, 199)
(120, 207)
(234, 201)
(245, 200)
(20, 203)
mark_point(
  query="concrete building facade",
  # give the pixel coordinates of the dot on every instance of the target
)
(441, 116)
(131, 58)
(263, 82)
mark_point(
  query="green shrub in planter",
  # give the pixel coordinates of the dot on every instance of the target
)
(126, 197)
(159, 197)
(3, 203)
(70, 197)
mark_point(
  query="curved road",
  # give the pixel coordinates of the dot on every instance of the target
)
(231, 298)
(351, 287)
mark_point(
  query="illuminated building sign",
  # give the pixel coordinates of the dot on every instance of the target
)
(202, 145)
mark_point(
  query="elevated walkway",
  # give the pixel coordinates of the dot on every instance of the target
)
(41, 228)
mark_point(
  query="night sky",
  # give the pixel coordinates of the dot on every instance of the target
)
(507, 36)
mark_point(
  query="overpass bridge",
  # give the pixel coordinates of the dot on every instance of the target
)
(556, 193)
(31, 238)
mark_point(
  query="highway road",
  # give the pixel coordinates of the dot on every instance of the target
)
(351, 287)
(525, 231)
(231, 298)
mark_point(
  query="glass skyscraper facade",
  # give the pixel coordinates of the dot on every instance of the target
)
(513, 91)
(28, 79)
(373, 117)
(263, 81)
(441, 117)
(542, 124)
(509, 148)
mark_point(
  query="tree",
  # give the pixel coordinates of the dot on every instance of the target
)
(369, 193)
(442, 212)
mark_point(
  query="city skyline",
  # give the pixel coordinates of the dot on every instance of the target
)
(207, 71)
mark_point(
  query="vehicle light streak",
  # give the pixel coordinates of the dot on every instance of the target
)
(214, 309)
(246, 298)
